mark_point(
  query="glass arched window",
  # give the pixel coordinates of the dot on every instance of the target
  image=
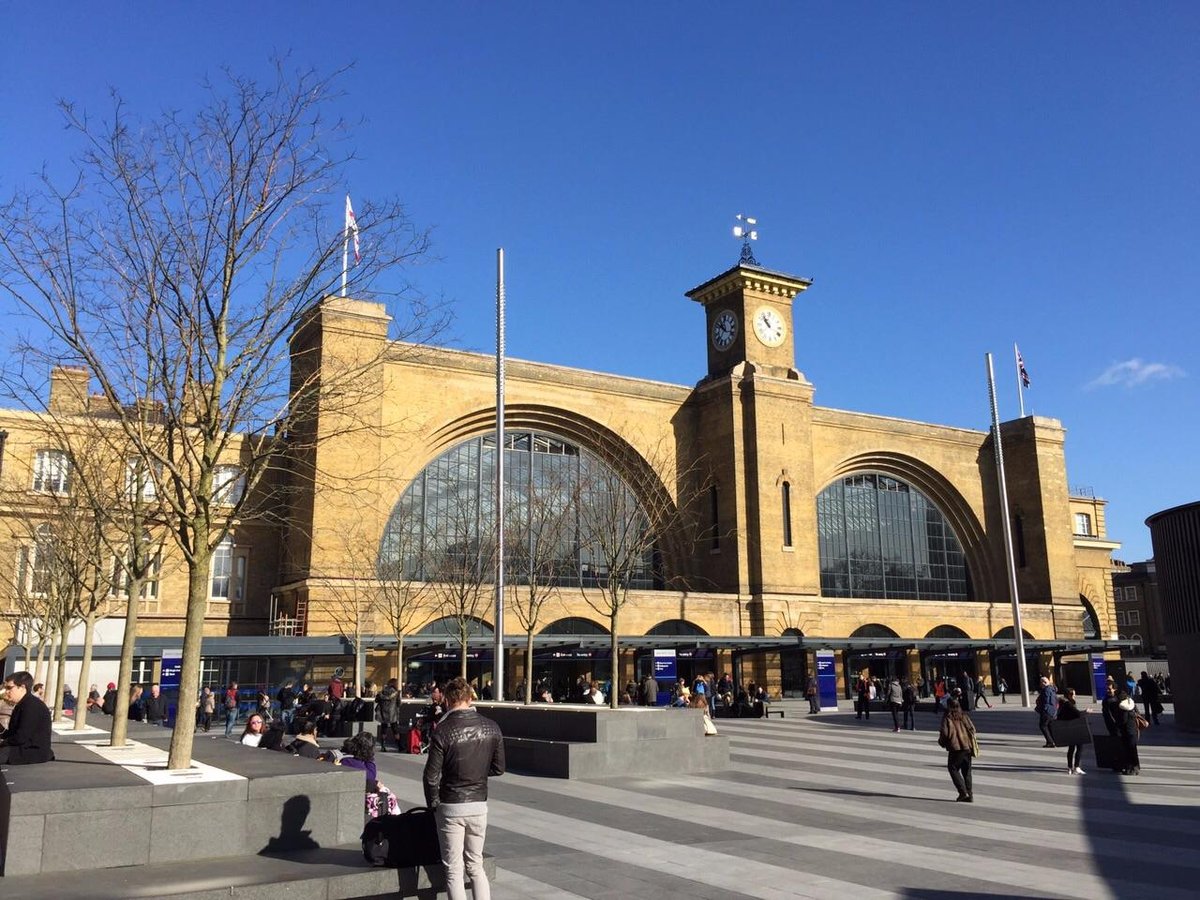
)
(557, 496)
(880, 537)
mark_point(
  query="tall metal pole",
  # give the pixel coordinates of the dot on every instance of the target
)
(1018, 633)
(1020, 386)
(498, 654)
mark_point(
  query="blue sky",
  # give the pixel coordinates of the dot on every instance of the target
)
(954, 177)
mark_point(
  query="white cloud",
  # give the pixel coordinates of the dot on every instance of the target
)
(1135, 372)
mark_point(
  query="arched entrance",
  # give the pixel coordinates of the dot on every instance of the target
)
(877, 664)
(563, 669)
(441, 664)
(690, 662)
(793, 667)
(952, 663)
(1004, 662)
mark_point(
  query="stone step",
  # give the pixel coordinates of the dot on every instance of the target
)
(320, 874)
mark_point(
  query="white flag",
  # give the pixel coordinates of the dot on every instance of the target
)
(352, 228)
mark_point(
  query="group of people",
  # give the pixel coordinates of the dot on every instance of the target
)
(1122, 721)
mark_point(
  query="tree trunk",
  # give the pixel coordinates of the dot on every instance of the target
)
(120, 719)
(400, 661)
(615, 662)
(180, 754)
(85, 672)
(60, 674)
(528, 698)
(39, 671)
(463, 657)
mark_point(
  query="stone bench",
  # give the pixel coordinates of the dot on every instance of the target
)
(84, 813)
(325, 872)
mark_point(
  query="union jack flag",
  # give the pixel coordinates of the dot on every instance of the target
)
(1021, 370)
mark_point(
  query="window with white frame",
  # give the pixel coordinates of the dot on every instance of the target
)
(1133, 617)
(1083, 524)
(141, 479)
(227, 584)
(228, 485)
(35, 564)
(51, 472)
(1120, 617)
(1131, 594)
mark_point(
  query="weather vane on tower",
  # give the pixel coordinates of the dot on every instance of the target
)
(747, 232)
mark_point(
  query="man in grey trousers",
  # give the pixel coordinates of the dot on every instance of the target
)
(465, 750)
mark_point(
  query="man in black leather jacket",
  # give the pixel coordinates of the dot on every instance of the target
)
(465, 750)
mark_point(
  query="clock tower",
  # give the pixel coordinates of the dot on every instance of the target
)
(749, 318)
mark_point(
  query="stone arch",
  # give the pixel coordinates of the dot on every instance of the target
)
(873, 630)
(1006, 634)
(947, 632)
(601, 441)
(1095, 630)
(574, 625)
(447, 626)
(944, 495)
(677, 627)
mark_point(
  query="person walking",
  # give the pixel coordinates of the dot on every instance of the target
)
(287, 703)
(1046, 708)
(957, 737)
(1129, 724)
(981, 693)
(206, 705)
(813, 695)
(1150, 697)
(1068, 711)
(1002, 687)
(465, 751)
(231, 708)
(895, 700)
(910, 706)
(864, 698)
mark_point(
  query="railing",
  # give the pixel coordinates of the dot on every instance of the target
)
(285, 626)
(1083, 490)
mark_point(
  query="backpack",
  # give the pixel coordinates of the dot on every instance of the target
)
(404, 841)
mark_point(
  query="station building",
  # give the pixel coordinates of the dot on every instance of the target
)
(795, 527)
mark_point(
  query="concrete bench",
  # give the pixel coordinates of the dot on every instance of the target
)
(323, 872)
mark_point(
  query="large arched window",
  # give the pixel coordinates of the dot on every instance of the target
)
(880, 537)
(557, 498)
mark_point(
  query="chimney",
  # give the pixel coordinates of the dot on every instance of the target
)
(68, 390)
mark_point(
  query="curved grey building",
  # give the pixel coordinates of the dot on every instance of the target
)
(1176, 536)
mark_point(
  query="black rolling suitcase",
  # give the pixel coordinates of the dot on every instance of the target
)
(1110, 752)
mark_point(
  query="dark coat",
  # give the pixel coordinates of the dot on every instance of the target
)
(156, 708)
(28, 737)
(465, 750)
(387, 705)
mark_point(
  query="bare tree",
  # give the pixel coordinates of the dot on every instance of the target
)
(626, 516)
(461, 562)
(175, 269)
(540, 525)
(404, 597)
(349, 595)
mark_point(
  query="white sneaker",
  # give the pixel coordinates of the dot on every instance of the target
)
(1070, 770)
(1079, 771)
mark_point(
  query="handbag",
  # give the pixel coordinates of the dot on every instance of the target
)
(974, 744)
(1142, 724)
(402, 841)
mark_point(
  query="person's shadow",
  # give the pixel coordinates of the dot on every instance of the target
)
(292, 836)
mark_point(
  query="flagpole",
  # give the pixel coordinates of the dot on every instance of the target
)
(1020, 385)
(1018, 632)
(346, 250)
(498, 655)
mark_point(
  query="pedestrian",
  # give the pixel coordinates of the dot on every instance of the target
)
(811, 692)
(465, 751)
(263, 705)
(981, 693)
(206, 705)
(1129, 725)
(156, 706)
(231, 708)
(108, 705)
(910, 706)
(863, 706)
(1150, 701)
(957, 737)
(387, 711)
(287, 703)
(28, 736)
(895, 700)
(648, 691)
(967, 685)
(137, 705)
(1046, 708)
(1068, 711)
(1002, 687)
(256, 727)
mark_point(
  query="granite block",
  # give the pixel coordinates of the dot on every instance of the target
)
(275, 824)
(26, 837)
(178, 831)
(101, 839)
(352, 816)
(45, 802)
(325, 780)
(185, 794)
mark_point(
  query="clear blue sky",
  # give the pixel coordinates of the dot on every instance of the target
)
(954, 177)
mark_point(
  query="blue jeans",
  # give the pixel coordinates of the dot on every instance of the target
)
(230, 720)
(461, 841)
(286, 716)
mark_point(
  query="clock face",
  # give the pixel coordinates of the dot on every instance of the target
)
(769, 327)
(724, 330)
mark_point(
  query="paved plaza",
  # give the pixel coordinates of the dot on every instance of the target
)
(827, 806)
